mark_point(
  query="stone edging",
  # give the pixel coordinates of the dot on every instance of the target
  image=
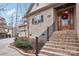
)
(20, 51)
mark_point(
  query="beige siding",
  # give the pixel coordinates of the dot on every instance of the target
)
(38, 29)
(10, 32)
(22, 32)
(22, 28)
(35, 7)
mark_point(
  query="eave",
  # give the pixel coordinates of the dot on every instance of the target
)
(54, 5)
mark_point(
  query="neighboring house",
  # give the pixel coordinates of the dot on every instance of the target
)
(3, 28)
(22, 29)
(10, 31)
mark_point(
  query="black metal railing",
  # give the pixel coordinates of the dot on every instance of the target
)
(44, 37)
(36, 46)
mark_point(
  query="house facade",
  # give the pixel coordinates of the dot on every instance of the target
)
(3, 28)
(61, 21)
(42, 15)
(22, 30)
(40, 19)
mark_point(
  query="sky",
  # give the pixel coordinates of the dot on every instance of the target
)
(9, 10)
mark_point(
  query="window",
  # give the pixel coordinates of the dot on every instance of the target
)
(37, 19)
(65, 19)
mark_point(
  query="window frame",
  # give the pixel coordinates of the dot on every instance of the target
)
(38, 19)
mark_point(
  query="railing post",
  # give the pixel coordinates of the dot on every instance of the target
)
(36, 46)
(47, 33)
(53, 27)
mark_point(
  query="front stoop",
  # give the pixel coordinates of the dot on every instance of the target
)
(62, 43)
(20, 51)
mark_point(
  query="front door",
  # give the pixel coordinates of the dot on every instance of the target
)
(65, 19)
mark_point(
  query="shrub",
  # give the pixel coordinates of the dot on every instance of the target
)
(17, 38)
(23, 44)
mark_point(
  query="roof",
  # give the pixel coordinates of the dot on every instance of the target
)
(42, 9)
(22, 25)
(29, 10)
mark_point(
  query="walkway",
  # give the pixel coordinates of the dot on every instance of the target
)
(7, 51)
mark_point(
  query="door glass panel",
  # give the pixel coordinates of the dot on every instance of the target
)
(64, 19)
(64, 22)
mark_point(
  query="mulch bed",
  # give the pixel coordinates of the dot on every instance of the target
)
(27, 50)
(32, 51)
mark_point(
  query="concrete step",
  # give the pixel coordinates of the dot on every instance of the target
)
(59, 50)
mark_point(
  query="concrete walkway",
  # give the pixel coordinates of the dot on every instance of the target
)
(7, 51)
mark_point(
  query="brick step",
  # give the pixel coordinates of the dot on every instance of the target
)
(69, 41)
(59, 35)
(63, 47)
(55, 33)
(50, 53)
(64, 35)
(59, 50)
(65, 32)
(68, 34)
(63, 43)
(64, 39)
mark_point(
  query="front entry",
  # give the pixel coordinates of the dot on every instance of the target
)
(65, 18)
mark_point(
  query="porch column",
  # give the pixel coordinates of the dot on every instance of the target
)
(77, 19)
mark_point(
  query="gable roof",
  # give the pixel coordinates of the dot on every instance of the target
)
(44, 8)
(30, 7)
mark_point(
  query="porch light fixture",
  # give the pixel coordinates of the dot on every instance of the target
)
(66, 12)
(65, 16)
